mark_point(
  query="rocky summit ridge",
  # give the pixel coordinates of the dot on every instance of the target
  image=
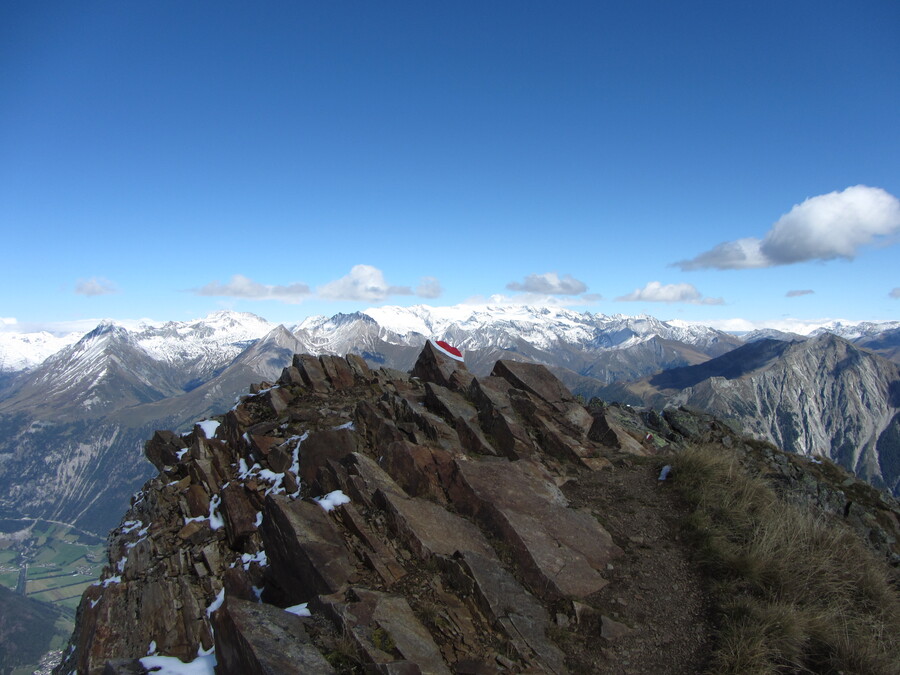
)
(346, 519)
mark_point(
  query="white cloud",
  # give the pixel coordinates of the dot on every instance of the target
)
(429, 287)
(243, 287)
(95, 286)
(549, 284)
(8, 321)
(797, 294)
(364, 283)
(829, 226)
(731, 255)
(657, 292)
(895, 293)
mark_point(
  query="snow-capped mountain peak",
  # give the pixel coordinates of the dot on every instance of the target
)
(21, 351)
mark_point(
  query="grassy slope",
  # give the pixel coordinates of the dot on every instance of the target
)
(796, 592)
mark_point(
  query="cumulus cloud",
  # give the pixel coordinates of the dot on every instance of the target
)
(364, 283)
(94, 286)
(657, 292)
(549, 284)
(894, 294)
(6, 321)
(429, 287)
(829, 226)
(243, 287)
(797, 294)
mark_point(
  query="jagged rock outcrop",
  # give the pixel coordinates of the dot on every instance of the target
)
(439, 469)
(347, 518)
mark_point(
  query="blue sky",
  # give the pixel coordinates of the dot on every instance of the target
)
(168, 159)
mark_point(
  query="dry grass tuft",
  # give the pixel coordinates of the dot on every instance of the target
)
(796, 592)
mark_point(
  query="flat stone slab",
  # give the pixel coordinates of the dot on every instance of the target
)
(258, 639)
(429, 529)
(562, 551)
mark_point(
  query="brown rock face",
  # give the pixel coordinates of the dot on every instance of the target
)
(305, 548)
(418, 516)
(259, 639)
(434, 366)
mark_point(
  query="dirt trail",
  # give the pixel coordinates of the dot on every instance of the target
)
(655, 589)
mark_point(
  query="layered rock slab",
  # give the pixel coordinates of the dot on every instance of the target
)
(259, 639)
(561, 551)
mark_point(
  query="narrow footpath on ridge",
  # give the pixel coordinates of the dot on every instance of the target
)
(656, 598)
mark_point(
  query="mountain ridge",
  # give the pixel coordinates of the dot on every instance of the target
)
(819, 396)
(100, 397)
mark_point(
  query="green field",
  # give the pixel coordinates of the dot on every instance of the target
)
(61, 563)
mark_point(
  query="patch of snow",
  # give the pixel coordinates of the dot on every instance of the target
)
(257, 592)
(96, 602)
(245, 473)
(151, 649)
(204, 664)
(332, 499)
(181, 453)
(259, 518)
(209, 427)
(130, 545)
(130, 526)
(275, 478)
(349, 425)
(111, 580)
(216, 603)
(259, 558)
(295, 454)
(299, 610)
(215, 520)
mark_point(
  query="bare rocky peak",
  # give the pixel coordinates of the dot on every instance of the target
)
(346, 519)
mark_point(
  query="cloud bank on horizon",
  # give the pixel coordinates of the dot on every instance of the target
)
(243, 287)
(826, 227)
(549, 283)
(363, 283)
(655, 291)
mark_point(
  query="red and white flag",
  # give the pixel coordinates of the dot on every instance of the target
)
(448, 350)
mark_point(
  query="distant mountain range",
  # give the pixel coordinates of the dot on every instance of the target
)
(73, 420)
